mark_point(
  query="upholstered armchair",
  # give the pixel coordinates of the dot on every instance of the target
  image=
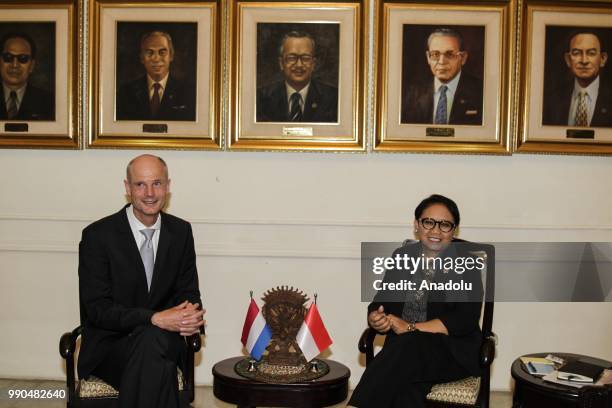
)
(94, 392)
(471, 391)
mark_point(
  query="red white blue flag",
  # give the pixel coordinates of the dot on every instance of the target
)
(313, 337)
(256, 333)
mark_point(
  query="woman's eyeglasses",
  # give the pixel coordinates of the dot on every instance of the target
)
(430, 223)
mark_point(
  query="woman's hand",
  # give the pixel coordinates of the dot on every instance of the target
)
(399, 325)
(379, 321)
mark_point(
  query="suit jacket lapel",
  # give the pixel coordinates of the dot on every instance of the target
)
(132, 250)
(165, 238)
(602, 111)
(426, 105)
(142, 92)
(142, 98)
(282, 107)
(310, 105)
(26, 104)
(168, 98)
(3, 113)
(457, 112)
(562, 114)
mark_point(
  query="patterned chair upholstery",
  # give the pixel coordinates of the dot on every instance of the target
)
(471, 391)
(462, 392)
(95, 387)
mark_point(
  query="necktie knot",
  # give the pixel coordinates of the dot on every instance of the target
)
(156, 86)
(443, 89)
(148, 234)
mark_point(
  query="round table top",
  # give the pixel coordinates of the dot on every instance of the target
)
(520, 373)
(330, 389)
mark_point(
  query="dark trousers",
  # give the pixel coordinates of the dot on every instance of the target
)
(403, 372)
(143, 367)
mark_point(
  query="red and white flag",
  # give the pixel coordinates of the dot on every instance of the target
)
(313, 337)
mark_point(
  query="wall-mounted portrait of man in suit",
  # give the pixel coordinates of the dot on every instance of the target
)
(577, 82)
(297, 72)
(27, 71)
(442, 74)
(156, 71)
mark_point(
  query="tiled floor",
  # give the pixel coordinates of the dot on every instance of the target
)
(204, 396)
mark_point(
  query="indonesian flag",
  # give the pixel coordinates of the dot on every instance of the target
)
(256, 333)
(313, 337)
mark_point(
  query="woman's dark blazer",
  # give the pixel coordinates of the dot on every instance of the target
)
(461, 317)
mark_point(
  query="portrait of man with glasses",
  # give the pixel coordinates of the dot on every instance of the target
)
(297, 95)
(577, 92)
(22, 100)
(448, 94)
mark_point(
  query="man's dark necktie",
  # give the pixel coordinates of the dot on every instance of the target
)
(146, 253)
(440, 118)
(11, 108)
(295, 113)
(155, 100)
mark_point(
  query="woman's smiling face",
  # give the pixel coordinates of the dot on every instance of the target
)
(434, 240)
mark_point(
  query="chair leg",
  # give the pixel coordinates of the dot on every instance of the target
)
(190, 377)
(485, 391)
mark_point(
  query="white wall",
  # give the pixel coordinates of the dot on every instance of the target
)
(266, 219)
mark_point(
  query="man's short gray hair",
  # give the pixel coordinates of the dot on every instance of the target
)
(161, 33)
(296, 34)
(445, 32)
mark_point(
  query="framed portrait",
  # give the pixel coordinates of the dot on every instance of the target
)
(296, 76)
(566, 78)
(154, 70)
(39, 74)
(443, 75)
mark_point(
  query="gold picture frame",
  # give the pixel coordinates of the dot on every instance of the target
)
(47, 108)
(478, 120)
(257, 119)
(549, 78)
(121, 114)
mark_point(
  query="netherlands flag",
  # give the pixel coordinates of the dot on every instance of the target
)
(313, 337)
(256, 334)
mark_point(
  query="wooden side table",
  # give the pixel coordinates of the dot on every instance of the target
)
(533, 392)
(230, 387)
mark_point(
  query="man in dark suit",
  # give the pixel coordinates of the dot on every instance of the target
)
(158, 95)
(21, 100)
(139, 292)
(587, 100)
(453, 97)
(299, 97)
